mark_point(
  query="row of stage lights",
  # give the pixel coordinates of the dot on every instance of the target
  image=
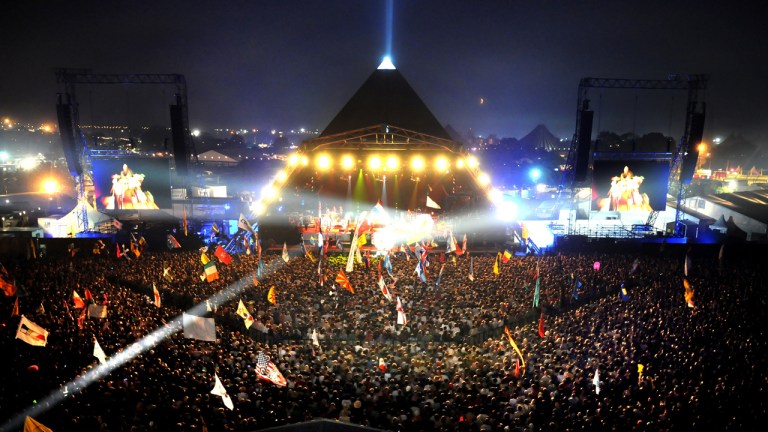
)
(323, 162)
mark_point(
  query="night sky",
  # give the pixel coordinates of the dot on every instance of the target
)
(292, 64)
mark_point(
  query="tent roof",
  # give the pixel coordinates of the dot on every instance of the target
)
(386, 98)
(752, 204)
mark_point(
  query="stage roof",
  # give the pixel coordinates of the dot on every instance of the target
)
(386, 98)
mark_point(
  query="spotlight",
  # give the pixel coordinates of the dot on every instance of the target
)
(460, 163)
(281, 176)
(495, 196)
(304, 161)
(268, 192)
(293, 159)
(534, 174)
(472, 162)
(51, 186)
(393, 162)
(441, 163)
(347, 162)
(483, 179)
(323, 162)
(374, 163)
(417, 163)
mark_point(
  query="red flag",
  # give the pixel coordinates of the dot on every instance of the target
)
(79, 303)
(342, 280)
(541, 325)
(88, 295)
(81, 319)
(222, 255)
(15, 311)
(9, 289)
(517, 368)
(119, 253)
(156, 295)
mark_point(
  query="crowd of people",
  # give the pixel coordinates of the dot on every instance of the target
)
(660, 364)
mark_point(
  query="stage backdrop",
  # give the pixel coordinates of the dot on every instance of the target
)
(132, 183)
(630, 185)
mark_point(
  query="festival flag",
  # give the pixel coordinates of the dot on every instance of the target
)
(315, 340)
(384, 290)
(199, 328)
(517, 368)
(440, 275)
(514, 345)
(451, 246)
(388, 264)
(286, 257)
(117, 224)
(219, 390)
(247, 246)
(242, 223)
(688, 293)
(401, 319)
(596, 381)
(97, 311)
(172, 242)
(687, 265)
(245, 315)
(536, 294)
(222, 255)
(98, 352)
(343, 281)
(382, 365)
(167, 271)
(635, 263)
(271, 297)
(32, 425)
(432, 204)
(41, 309)
(267, 370)
(640, 368)
(472, 269)
(623, 294)
(361, 240)
(542, 333)
(204, 258)
(119, 253)
(15, 310)
(420, 272)
(463, 249)
(576, 285)
(721, 254)
(506, 256)
(81, 319)
(134, 249)
(496, 263)
(79, 303)
(156, 295)
(184, 222)
(9, 288)
(379, 207)
(211, 273)
(31, 333)
(260, 268)
(215, 229)
(88, 295)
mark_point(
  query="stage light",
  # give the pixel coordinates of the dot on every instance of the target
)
(304, 161)
(393, 162)
(541, 188)
(51, 186)
(293, 160)
(4, 155)
(506, 211)
(495, 196)
(323, 162)
(534, 174)
(281, 176)
(472, 162)
(483, 179)
(257, 208)
(417, 163)
(441, 163)
(702, 148)
(460, 163)
(268, 192)
(28, 164)
(347, 162)
(374, 163)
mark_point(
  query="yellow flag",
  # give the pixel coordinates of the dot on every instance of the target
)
(496, 264)
(271, 295)
(32, 425)
(204, 258)
(361, 240)
(514, 345)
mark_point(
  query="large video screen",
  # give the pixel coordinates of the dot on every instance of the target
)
(630, 185)
(132, 183)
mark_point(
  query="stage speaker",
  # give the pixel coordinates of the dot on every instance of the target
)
(583, 146)
(68, 138)
(691, 151)
(179, 134)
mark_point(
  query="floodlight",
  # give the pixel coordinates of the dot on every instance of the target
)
(393, 162)
(483, 179)
(374, 162)
(347, 162)
(323, 162)
(441, 163)
(472, 162)
(417, 163)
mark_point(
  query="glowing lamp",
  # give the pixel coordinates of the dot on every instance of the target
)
(304, 161)
(393, 162)
(347, 162)
(460, 163)
(534, 174)
(293, 160)
(51, 186)
(323, 162)
(441, 163)
(483, 179)
(268, 192)
(374, 162)
(472, 162)
(417, 163)
(281, 176)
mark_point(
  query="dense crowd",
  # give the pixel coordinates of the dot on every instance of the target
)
(450, 368)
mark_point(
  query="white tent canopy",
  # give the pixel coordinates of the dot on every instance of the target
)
(68, 224)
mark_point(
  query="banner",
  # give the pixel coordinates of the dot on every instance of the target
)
(31, 333)
(97, 311)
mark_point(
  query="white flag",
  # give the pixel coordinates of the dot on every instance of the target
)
(432, 204)
(243, 224)
(596, 381)
(315, 341)
(401, 313)
(97, 311)
(285, 252)
(245, 315)
(219, 390)
(200, 328)
(31, 333)
(98, 352)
